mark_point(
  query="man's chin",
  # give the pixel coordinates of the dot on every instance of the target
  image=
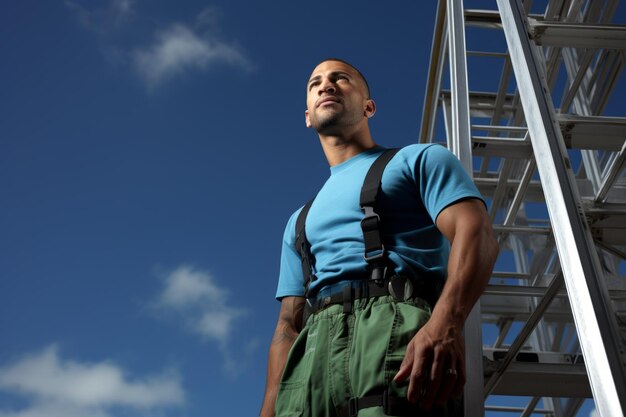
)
(330, 130)
(326, 126)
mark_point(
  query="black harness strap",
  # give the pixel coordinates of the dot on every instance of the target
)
(392, 406)
(304, 247)
(375, 254)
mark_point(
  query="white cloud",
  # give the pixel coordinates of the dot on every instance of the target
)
(67, 388)
(56, 410)
(594, 413)
(193, 297)
(176, 48)
(202, 304)
(179, 50)
(217, 324)
(185, 287)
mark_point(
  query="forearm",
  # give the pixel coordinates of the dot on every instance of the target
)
(472, 255)
(287, 329)
(275, 366)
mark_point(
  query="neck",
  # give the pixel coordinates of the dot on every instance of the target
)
(340, 148)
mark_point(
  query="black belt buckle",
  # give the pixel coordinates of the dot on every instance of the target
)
(400, 288)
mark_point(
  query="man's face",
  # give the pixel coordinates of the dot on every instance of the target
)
(336, 98)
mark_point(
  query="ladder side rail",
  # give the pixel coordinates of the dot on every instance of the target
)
(589, 298)
(462, 147)
(435, 74)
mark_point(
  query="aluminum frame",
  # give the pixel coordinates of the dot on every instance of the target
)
(581, 267)
(509, 161)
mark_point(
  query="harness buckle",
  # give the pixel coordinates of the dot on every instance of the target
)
(375, 254)
(371, 223)
(374, 248)
(369, 214)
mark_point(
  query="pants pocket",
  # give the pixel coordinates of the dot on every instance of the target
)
(290, 400)
(292, 388)
(408, 319)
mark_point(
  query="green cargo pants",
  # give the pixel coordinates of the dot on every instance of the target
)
(339, 356)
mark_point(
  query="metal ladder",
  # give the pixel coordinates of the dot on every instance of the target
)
(551, 328)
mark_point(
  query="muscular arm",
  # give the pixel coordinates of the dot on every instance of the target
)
(287, 329)
(438, 346)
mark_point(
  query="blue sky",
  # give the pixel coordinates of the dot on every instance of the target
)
(150, 155)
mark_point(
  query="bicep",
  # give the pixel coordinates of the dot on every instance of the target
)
(466, 215)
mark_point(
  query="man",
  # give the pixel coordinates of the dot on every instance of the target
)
(388, 353)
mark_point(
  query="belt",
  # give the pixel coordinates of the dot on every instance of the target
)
(392, 406)
(401, 288)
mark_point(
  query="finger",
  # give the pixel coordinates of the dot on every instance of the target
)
(460, 381)
(439, 363)
(405, 366)
(419, 374)
(434, 382)
(448, 385)
(404, 372)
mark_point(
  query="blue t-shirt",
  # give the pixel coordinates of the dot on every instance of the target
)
(417, 184)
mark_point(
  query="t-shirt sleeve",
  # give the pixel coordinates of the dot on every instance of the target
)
(443, 180)
(290, 279)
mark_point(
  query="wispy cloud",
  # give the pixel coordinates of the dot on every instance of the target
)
(179, 50)
(176, 49)
(193, 297)
(594, 413)
(66, 388)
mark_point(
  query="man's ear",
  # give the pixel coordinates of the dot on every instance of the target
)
(370, 108)
(306, 118)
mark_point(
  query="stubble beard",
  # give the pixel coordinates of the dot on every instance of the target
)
(326, 124)
(331, 123)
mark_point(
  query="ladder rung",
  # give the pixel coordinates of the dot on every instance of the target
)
(540, 374)
(578, 35)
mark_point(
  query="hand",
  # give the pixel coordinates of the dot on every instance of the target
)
(431, 358)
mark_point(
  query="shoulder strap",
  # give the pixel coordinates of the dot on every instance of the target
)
(304, 247)
(371, 184)
(375, 253)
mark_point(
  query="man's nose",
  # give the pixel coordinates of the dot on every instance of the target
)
(327, 86)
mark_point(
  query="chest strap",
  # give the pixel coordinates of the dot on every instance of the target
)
(375, 254)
